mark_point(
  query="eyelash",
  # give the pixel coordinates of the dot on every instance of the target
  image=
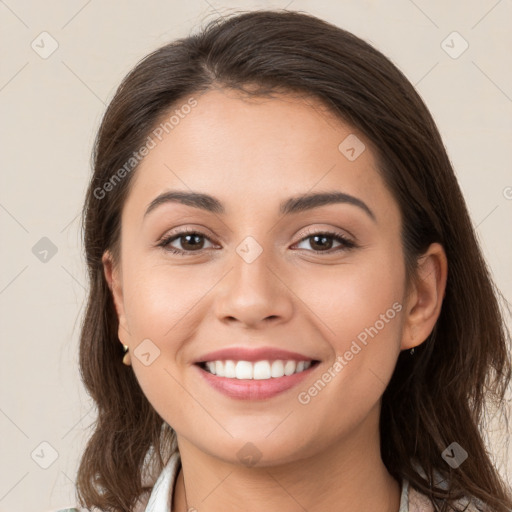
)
(346, 244)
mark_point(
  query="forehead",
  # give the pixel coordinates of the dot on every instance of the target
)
(241, 148)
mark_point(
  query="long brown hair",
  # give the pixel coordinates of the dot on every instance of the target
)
(439, 395)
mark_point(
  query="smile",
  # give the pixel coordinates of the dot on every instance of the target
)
(254, 373)
(257, 370)
(257, 380)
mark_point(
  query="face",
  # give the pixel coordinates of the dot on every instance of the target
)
(261, 277)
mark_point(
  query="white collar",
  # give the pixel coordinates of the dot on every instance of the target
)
(161, 496)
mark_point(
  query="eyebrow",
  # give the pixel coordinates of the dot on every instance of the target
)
(289, 206)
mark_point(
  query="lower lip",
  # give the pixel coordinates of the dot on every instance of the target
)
(254, 389)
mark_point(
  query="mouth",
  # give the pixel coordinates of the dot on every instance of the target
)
(250, 373)
(256, 370)
(254, 380)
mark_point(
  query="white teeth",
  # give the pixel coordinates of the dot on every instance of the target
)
(259, 370)
(230, 369)
(277, 369)
(243, 370)
(290, 367)
(219, 368)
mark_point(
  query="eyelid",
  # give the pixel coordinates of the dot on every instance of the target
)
(327, 231)
(177, 233)
(346, 243)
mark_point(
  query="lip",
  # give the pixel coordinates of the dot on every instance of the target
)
(250, 389)
(253, 355)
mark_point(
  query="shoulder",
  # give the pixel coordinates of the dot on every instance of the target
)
(74, 509)
(139, 507)
(68, 510)
(420, 503)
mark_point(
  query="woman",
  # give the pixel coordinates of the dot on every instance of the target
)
(280, 254)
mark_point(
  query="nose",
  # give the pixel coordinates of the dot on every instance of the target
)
(253, 294)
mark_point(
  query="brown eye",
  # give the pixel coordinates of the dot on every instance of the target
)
(191, 242)
(188, 241)
(323, 241)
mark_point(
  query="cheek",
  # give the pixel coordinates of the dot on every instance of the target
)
(165, 304)
(353, 298)
(161, 304)
(360, 315)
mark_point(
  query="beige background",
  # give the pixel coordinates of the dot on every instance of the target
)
(50, 109)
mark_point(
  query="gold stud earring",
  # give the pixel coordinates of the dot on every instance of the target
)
(126, 359)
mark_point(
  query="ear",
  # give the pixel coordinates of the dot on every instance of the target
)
(425, 298)
(114, 281)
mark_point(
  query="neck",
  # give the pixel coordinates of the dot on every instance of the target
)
(349, 475)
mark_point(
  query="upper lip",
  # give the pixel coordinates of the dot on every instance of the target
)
(252, 354)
